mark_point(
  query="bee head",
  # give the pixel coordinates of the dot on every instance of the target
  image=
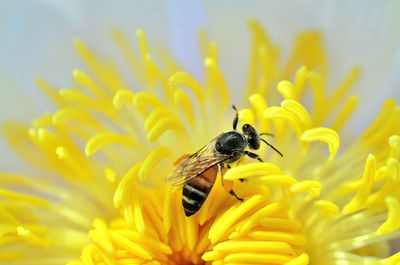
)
(252, 136)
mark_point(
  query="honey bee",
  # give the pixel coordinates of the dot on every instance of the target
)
(198, 172)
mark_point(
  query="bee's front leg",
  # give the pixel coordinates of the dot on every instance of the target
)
(253, 155)
(221, 169)
(231, 192)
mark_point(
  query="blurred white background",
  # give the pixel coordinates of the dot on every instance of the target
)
(36, 40)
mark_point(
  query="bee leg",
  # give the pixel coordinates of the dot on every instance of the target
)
(231, 192)
(221, 168)
(236, 119)
(253, 155)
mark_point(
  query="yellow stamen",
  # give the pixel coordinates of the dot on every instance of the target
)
(367, 181)
(64, 115)
(308, 50)
(246, 116)
(327, 208)
(137, 213)
(167, 220)
(155, 116)
(75, 163)
(132, 247)
(394, 142)
(122, 97)
(216, 78)
(87, 255)
(152, 160)
(317, 83)
(387, 109)
(300, 260)
(106, 75)
(103, 233)
(111, 176)
(267, 211)
(389, 127)
(323, 134)
(254, 246)
(300, 81)
(343, 89)
(84, 79)
(7, 216)
(101, 241)
(182, 99)
(42, 121)
(142, 41)
(183, 79)
(286, 89)
(80, 98)
(191, 233)
(150, 242)
(345, 113)
(299, 111)
(74, 263)
(293, 239)
(53, 95)
(291, 111)
(98, 141)
(281, 224)
(262, 54)
(155, 74)
(220, 228)
(211, 255)
(124, 186)
(314, 187)
(163, 125)
(281, 180)
(128, 53)
(393, 220)
(35, 200)
(259, 105)
(257, 257)
(144, 99)
(252, 170)
(31, 238)
(389, 188)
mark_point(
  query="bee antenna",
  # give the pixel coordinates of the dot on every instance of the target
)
(269, 134)
(271, 147)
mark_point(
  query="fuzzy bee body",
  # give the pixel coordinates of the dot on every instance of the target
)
(195, 191)
(198, 172)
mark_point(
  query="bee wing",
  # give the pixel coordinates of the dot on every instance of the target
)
(196, 164)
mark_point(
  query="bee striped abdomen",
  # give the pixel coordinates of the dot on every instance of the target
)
(196, 190)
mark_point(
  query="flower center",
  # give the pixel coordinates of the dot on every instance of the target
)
(223, 230)
(311, 206)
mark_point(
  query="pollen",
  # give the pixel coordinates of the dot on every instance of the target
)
(99, 193)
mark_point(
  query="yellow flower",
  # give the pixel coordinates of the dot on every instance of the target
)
(103, 156)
